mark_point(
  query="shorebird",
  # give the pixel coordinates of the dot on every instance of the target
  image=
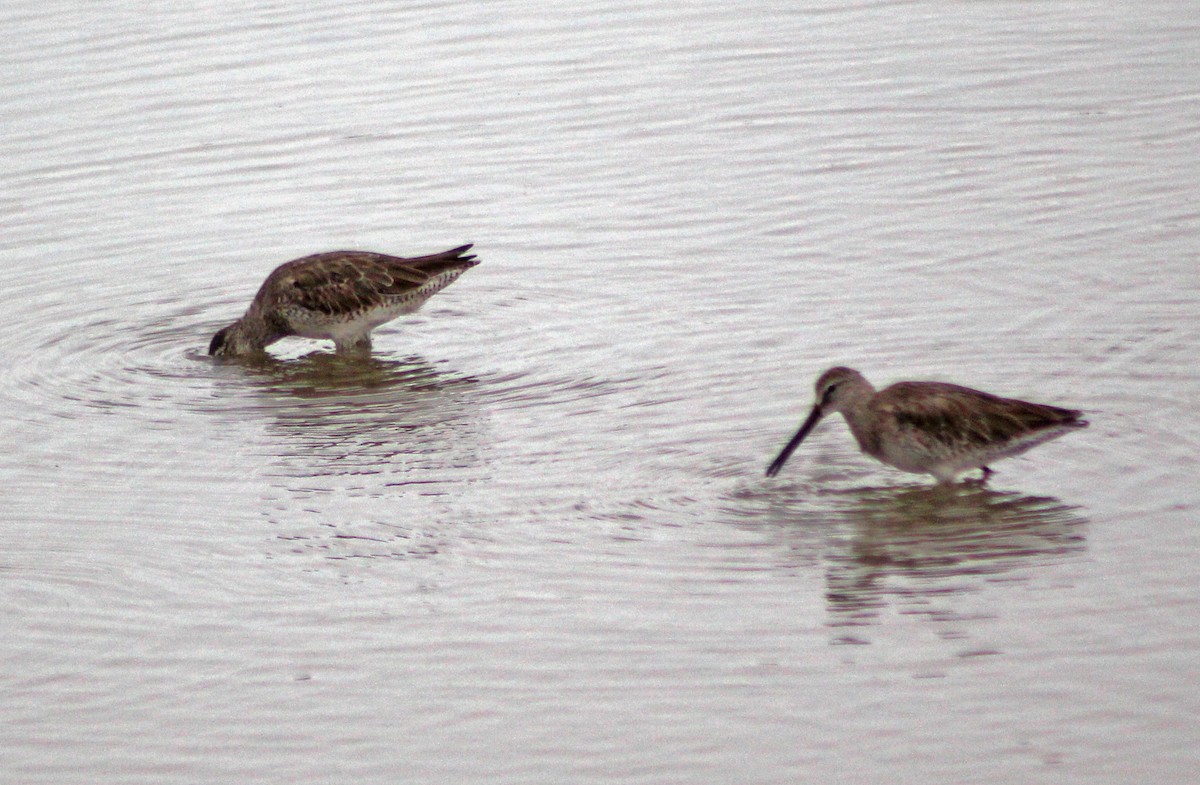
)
(932, 427)
(341, 295)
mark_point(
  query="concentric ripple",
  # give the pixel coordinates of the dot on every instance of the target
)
(119, 351)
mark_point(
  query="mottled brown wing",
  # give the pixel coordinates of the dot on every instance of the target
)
(333, 283)
(964, 418)
(344, 282)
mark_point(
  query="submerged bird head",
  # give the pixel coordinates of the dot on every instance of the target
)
(232, 340)
(837, 390)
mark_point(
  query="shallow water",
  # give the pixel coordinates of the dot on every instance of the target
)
(530, 539)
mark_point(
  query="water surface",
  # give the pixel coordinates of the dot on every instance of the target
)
(530, 539)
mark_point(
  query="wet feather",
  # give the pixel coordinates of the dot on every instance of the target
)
(341, 295)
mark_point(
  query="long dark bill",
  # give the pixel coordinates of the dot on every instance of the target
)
(813, 418)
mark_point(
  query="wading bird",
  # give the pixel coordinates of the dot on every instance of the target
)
(340, 296)
(931, 427)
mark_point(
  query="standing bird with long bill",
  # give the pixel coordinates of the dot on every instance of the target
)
(932, 427)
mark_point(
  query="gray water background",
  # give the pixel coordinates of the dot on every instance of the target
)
(530, 540)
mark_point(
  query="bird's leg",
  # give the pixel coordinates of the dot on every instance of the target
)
(360, 346)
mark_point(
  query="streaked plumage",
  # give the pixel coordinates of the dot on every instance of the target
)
(341, 296)
(931, 427)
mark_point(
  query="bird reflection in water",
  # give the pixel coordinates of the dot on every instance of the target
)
(914, 545)
(910, 550)
(338, 414)
(321, 374)
(343, 432)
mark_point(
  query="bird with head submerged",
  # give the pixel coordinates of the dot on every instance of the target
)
(340, 296)
(931, 427)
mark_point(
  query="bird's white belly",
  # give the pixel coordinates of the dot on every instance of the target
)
(347, 328)
(909, 455)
